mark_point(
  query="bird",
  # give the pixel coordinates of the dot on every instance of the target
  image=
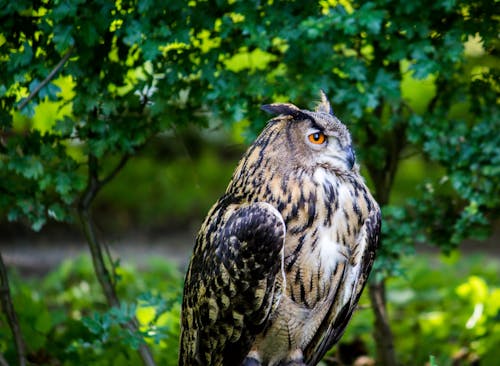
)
(282, 257)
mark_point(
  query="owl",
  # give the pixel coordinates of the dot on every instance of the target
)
(282, 257)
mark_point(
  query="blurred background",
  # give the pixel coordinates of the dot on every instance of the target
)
(156, 204)
(121, 123)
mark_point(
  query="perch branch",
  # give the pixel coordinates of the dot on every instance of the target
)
(96, 249)
(45, 81)
(10, 313)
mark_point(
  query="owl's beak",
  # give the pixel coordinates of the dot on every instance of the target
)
(350, 157)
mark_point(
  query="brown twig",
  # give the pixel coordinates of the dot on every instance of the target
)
(115, 171)
(94, 185)
(45, 81)
(103, 275)
(10, 313)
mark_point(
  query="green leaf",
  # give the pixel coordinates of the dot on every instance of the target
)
(38, 222)
(57, 212)
(65, 126)
(22, 57)
(28, 166)
(134, 33)
(13, 215)
(63, 37)
(370, 18)
(49, 91)
(93, 323)
(64, 9)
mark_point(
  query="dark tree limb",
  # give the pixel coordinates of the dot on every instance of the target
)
(383, 179)
(384, 340)
(94, 185)
(10, 313)
(115, 171)
(45, 81)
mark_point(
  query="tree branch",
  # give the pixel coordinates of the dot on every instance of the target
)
(383, 178)
(45, 81)
(115, 171)
(382, 332)
(104, 277)
(10, 313)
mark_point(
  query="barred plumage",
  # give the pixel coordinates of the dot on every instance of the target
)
(281, 259)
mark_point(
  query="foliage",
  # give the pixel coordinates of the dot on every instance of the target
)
(64, 316)
(89, 83)
(136, 69)
(446, 307)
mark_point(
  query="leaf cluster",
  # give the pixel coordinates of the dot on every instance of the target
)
(65, 319)
(133, 69)
(447, 307)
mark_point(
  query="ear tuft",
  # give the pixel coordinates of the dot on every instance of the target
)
(324, 104)
(280, 108)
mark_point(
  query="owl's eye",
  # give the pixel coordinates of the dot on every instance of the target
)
(317, 138)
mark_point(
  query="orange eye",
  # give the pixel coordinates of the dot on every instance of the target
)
(317, 138)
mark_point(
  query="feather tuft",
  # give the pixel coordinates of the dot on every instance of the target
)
(324, 105)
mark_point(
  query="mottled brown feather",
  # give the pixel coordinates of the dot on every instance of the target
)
(281, 259)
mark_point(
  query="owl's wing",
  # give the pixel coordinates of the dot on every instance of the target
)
(231, 288)
(337, 318)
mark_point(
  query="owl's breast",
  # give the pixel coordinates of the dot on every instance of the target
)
(320, 280)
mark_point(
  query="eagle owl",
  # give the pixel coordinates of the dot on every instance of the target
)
(282, 257)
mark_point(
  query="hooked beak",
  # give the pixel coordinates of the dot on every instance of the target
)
(350, 157)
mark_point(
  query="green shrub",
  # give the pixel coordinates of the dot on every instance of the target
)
(447, 307)
(65, 320)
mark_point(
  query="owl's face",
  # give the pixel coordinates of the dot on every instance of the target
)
(311, 139)
(325, 144)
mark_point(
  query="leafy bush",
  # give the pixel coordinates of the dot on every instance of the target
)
(65, 319)
(447, 307)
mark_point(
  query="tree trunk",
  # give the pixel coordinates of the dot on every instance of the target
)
(383, 179)
(107, 285)
(94, 185)
(8, 309)
(382, 333)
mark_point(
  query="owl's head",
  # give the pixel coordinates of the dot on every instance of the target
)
(312, 138)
